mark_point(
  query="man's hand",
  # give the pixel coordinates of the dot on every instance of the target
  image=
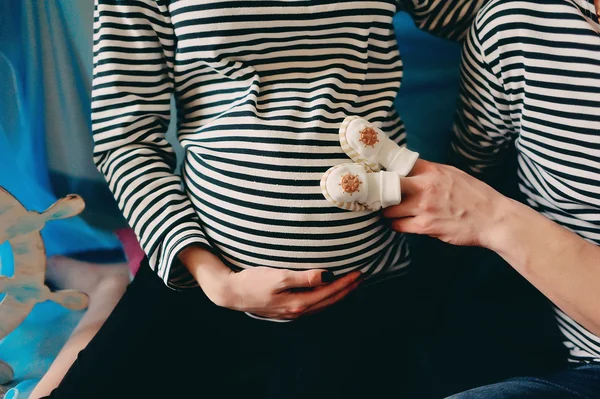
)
(267, 292)
(444, 202)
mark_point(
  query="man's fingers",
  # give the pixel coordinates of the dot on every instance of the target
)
(420, 166)
(409, 186)
(408, 207)
(406, 225)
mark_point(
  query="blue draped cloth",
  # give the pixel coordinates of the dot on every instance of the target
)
(45, 139)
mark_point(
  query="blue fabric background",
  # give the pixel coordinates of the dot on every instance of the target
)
(45, 143)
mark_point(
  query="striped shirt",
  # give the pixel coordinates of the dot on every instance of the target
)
(531, 76)
(261, 89)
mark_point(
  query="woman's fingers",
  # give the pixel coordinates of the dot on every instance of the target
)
(305, 279)
(284, 294)
(597, 4)
(310, 298)
(332, 299)
(295, 304)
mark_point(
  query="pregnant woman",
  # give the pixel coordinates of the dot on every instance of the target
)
(245, 233)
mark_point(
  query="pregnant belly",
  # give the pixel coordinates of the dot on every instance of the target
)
(279, 218)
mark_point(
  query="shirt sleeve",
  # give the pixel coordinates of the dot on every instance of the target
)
(483, 131)
(134, 47)
(449, 19)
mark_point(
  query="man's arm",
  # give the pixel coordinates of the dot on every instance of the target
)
(449, 19)
(483, 133)
(561, 264)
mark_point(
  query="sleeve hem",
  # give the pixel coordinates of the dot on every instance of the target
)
(170, 269)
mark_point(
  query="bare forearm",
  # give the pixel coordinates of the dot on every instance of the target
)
(210, 273)
(562, 265)
(443, 202)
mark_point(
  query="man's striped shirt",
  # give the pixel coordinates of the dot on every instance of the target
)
(531, 76)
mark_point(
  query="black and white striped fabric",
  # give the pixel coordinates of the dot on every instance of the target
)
(261, 89)
(531, 75)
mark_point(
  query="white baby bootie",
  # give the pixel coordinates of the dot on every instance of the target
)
(354, 187)
(365, 143)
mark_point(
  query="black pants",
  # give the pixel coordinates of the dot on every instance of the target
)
(160, 343)
(460, 320)
(488, 322)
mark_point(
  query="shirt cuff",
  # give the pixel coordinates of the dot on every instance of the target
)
(173, 272)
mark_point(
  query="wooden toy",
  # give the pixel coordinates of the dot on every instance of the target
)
(26, 287)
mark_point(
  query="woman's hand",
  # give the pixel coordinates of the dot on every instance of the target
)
(267, 292)
(444, 202)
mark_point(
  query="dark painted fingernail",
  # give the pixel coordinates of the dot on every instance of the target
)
(327, 277)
